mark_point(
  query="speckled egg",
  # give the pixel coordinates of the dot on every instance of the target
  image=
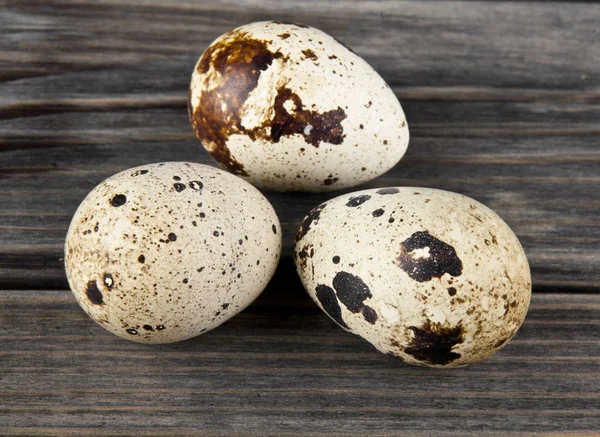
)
(164, 252)
(432, 277)
(290, 108)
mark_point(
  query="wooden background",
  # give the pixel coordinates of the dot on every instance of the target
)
(503, 105)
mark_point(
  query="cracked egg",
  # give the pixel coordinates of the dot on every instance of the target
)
(290, 108)
(432, 277)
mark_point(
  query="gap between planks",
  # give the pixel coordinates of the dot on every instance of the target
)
(454, 412)
(178, 432)
(380, 392)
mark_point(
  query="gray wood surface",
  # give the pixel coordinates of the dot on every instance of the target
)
(283, 368)
(503, 105)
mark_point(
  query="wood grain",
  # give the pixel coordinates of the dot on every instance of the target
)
(283, 368)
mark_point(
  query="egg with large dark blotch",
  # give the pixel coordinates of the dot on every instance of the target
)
(433, 277)
(165, 252)
(290, 108)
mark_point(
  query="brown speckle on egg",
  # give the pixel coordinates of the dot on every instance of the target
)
(330, 304)
(351, 291)
(312, 217)
(309, 54)
(93, 293)
(423, 257)
(357, 200)
(432, 343)
(118, 200)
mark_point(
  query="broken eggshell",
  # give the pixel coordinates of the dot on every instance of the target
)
(164, 252)
(289, 108)
(430, 276)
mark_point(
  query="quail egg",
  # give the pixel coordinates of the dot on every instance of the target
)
(432, 277)
(165, 252)
(290, 108)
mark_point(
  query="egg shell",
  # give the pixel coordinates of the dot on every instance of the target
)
(164, 252)
(433, 277)
(290, 108)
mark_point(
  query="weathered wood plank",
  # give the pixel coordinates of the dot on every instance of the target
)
(529, 45)
(282, 366)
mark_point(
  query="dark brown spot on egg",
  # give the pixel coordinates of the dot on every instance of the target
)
(303, 254)
(141, 259)
(309, 54)
(369, 314)
(311, 219)
(118, 200)
(330, 181)
(315, 127)
(336, 259)
(274, 228)
(423, 257)
(330, 304)
(378, 212)
(172, 237)
(93, 293)
(179, 187)
(451, 291)
(351, 290)
(357, 200)
(148, 328)
(131, 331)
(433, 342)
(284, 35)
